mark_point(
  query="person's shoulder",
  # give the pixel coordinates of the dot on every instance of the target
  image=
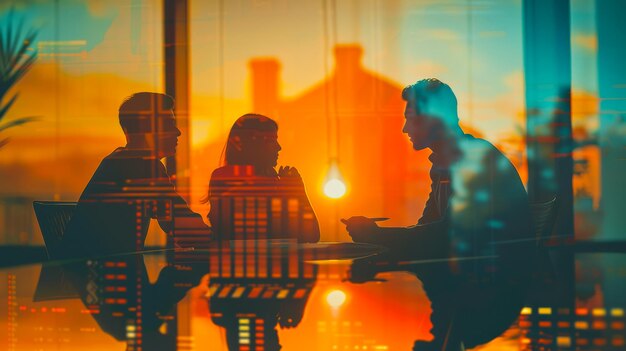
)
(130, 158)
(491, 156)
(221, 172)
(128, 164)
(107, 164)
(481, 146)
(122, 153)
(233, 171)
(222, 176)
(472, 140)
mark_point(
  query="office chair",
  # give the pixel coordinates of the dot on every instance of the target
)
(544, 218)
(53, 217)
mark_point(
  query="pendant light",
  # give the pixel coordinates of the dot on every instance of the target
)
(334, 184)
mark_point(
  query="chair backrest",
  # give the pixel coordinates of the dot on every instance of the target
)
(544, 217)
(53, 217)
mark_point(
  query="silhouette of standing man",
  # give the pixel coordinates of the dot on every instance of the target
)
(131, 186)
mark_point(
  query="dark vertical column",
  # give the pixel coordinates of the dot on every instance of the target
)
(176, 56)
(547, 70)
(612, 133)
(612, 138)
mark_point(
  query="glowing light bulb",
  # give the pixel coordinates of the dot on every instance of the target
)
(334, 187)
(336, 298)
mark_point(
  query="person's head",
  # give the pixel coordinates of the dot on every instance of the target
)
(253, 140)
(431, 112)
(148, 122)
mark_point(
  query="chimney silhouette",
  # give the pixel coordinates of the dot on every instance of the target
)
(348, 57)
(265, 85)
(348, 76)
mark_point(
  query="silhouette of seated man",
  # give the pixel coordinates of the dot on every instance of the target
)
(476, 224)
(131, 186)
(251, 200)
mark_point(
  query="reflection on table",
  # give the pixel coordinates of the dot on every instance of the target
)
(160, 301)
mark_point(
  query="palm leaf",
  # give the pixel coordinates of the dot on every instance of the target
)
(20, 55)
(3, 60)
(15, 62)
(13, 54)
(9, 42)
(13, 77)
(17, 122)
(5, 108)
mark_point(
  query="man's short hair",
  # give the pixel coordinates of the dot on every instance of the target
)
(139, 111)
(434, 98)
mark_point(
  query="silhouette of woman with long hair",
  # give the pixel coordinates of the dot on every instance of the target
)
(249, 198)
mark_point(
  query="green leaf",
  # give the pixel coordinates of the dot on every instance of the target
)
(17, 122)
(5, 108)
(15, 62)
(21, 51)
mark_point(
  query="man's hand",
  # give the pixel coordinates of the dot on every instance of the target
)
(361, 229)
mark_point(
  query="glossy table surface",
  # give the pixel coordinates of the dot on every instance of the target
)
(282, 295)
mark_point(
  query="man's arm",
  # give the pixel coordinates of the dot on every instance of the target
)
(421, 234)
(187, 227)
(418, 241)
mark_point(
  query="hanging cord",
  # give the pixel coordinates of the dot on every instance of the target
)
(470, 71)
(221, 61)
(326, 74)
(220, 80)
(335, 92)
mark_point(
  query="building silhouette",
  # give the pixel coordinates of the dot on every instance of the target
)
(384, 176)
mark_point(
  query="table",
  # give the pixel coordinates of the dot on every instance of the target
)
(325, 296)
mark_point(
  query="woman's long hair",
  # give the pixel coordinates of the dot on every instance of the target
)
(237, 150)
(246, 127)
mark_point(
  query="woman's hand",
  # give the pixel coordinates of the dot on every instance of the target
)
(288, 172)
(290, 176)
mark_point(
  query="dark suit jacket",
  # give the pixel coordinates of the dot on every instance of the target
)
(128, 189)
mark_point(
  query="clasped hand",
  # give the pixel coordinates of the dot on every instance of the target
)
(288, 172)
